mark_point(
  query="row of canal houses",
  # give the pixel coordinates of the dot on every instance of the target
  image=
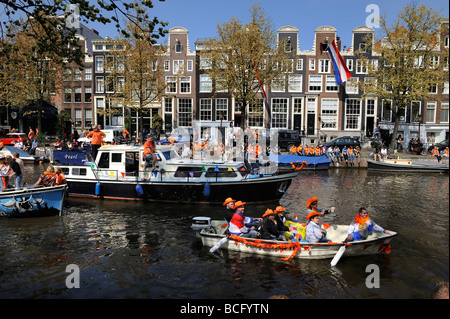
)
(310, 101)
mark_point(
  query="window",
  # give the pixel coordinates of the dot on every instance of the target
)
(99, 84)
(205, 109)
(77, 171)
(166, 65)
(445, 88)
(298, 105)
(104, 160)
(223, 172)
(221, 109)
(415, 111)
(109, 84)
(190, 66)
(87, 94)
(279, 113)
(295, 83)
(67, 95)
(99, 61)
(205, 63)
(324, 66)
(361, 68)
(87, 118)
(178, 47)
(386, 109)
(315, 83)
(349, 64)
(171, 84)
(278, 84)
(76, 74)
(116, 157)
(370, 105)
(77, 95)
(67, 75)
(312, 64)
(351, 86)
(184, 112)
(446, 41)
(178, 66)
(184, 171)
(288, 46)
(331, 84)
(78, 118)
(434, 62)
(88, 74)
(311, 105)
(444, 111)
(168, 105)
(299, 64)
(185, 84)
(256, 113)
(431, 112)
(352, 114)
(329, 113)
(205, 83)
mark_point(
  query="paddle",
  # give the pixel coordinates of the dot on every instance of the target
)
(217, 246)
(338, 256)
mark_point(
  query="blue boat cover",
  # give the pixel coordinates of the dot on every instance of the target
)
(288, 159)
(69, 157)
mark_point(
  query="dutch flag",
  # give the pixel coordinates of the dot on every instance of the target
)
(340, 69)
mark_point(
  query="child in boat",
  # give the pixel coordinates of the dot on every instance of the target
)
(362, 226)
(315, 233)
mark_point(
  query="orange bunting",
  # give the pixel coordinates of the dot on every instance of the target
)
(258, 243)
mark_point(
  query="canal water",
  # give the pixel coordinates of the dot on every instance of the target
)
(147, 250)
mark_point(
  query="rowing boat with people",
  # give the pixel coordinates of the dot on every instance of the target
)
(213, 233)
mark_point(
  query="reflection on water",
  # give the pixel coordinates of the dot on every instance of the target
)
(147, 250)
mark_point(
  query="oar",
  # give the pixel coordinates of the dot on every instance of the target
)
(338, 256)
(217, 246)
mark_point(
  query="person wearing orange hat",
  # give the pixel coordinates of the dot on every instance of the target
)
(315, 233)
(280, 221)
(269, 228)
(312, 204)
(229, 211)
(239, 224)
(362, 226)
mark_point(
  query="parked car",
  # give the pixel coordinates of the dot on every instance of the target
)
(12, 138)
(288, 138)
(441, 146)
(342, 141)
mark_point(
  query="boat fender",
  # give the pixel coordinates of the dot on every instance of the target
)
(98, 188)
(139, 190)
(207, 190)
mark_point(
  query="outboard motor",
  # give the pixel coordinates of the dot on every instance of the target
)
(200, 223)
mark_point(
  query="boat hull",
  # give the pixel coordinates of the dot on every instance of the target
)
(407, 166)
(376, 243)
(252, 189)
(33, 202)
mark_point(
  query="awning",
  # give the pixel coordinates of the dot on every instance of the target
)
(31, 111)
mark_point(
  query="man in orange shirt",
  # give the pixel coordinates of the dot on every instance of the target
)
(96, 137)
(149, 153)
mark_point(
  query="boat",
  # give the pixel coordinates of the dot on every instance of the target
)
(32, 202)
(292, 162)
(24, 156)
(119, 173)
(213, 233)
(406, 165)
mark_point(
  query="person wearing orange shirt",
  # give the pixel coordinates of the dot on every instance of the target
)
(96, 137)
(60, 178)
(300, 149)
(149, 153)
(435, 153)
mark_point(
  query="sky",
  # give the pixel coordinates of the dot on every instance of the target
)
(200, 17)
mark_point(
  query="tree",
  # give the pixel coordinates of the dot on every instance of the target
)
(408, 68)
(54, 21)
(136, 68)
(244, 58)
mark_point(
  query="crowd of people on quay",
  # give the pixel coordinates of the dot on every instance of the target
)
(347, 155)
(272, 224)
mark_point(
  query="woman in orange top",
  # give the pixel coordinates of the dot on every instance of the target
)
(60, 178)
(436, 154)
(306, 150)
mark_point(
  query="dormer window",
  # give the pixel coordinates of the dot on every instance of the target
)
(324, 45)
(288, 46)
(362, 47)
(178, 46)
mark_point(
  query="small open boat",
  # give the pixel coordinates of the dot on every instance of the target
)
(406, 165)
(32, 202)
(214, 232)
(24, 156)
